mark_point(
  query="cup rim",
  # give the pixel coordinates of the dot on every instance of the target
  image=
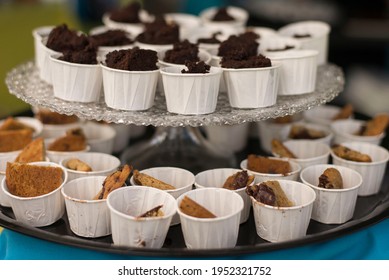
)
(78, 200)
(109, 69)
(214, 71)
(296, 168)
(275, 65)
(325, 28)
(292, 54)
(304, 142)
(55, 58)
(356, 163)
(202, 52)
(233, 171)
(334, 126)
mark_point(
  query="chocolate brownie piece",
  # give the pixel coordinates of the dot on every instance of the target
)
(111, 38)
(182, 52)
(240, 59)
(243, 41)
(127, 14)
(196, 67)
(61, 39)
(85, 56)
(222, 15)
(134, 59)
(159, 32)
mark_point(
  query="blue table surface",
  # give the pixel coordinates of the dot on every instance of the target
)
(370, 243)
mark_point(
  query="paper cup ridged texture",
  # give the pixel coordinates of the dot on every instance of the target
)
(39, 34)
(4, 201)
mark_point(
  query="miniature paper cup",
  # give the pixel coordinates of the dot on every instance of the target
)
(308, 152)
(46, 68)
(39, 34)
(215, 178)
(263, 32)
(220, 136)
(57, 156)
(155, 47)
(318, 40)
(215, 62)
(34, 123)
(346, 130)
(38, 211)
(121, 140)
(333, 206)
(298, 71)
(293, 175)
(99, 136)
(3, 166)
(76, 82)
(57, 130)
(240, 18)
(328, 134)
(252, 87)
(129, 90)
(101, 164)
(126, 204)
(191, 93)
(278, 224)
(212, 233)
(322, 115)
(271, 44)
(372, 172)
(133, 28)
(87, 217)
(186, 22)
(202, 55)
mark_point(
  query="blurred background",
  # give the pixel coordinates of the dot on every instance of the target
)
(359, 38)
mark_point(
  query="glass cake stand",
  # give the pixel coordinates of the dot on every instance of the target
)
(178, 140)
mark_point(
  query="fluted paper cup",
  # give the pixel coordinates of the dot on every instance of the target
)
(263, 32)
(34, 123)
(319, 32)
(99, 136)
(101, 164)
(133, 28)
(46, 68)
(192, 93)
(346, 131)
(129, 90)
(203, 32)
(278, 224)
(240, 18)
(215, 178)
(220, 136)
(215, 62)
(57, 156)
(271, 44)
(323, 115)
(126, 204)
(333, 206)
(372, 172)
(87, 217)
(3, 166)
(39, 34)
(328, 134)
(212, 233)
(298, 71)
(252, 87)
(308, 152)
(58, 130)
(179, 178)
(38, 211)
(293, 175)
(186, 22)
(155, 47)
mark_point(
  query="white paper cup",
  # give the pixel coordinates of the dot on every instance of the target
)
(4, 201)
(100, 137)
(102, 165)
(46, 68)
(186, 22)
(298, 71)
(129, 90)
(192, 93)
(38, 211)
(215, 62)
(328, 134)
(58, 130)
(133, 28)
(308, 152)
(203, 32)
(76, 82)
(122, 138)
(263, 32)
(154, 47)
(271, 44)
(333, 206)
(39, 34)
(346, 130)
(372, 172)
(179, 178)
(57, 156)
(252, 87)
(212, 233)
(322, 115)
(278, 224)
(319, 32)
(215, 178)
(240, 18)
(31, 122)
(87, 217)
(125, 204)
(220, 136)
(293, 175)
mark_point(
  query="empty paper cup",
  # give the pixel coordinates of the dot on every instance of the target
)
(127, 204)
(87, 217)
(333, 206)
(278, 224)
(215, 178)
(99, 136)
(212, 233)
(372, 172)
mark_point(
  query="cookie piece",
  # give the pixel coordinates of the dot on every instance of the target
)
(74, 140)
(14, 140)
(238, 180)
(154, 212)
(376, 126)
(349, 154)
(12, 124)
(269, 193)
(78, 165)
(302, 132)
(331, 179)
(267, 165)
(345, 112)
(34, 151)
(192, 208)
(143, 179)
(280, 149)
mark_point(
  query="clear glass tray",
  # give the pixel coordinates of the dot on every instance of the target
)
(23, 81)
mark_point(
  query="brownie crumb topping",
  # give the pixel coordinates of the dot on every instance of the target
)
(134, 59)
(222, 15)
(61, 39)
(241, 59)
(182, 52)
(199, 67)
(111, 38)
(159, 32)
(84, 56)
(246, 41)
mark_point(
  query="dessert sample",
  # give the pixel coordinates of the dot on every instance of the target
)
(78, 165)
(199, 67)
(345, 112)
(14, 140)
(111, 37)
(182, 52)
(270, 193)
(302, 132)
(159, 32)
(34, 151)
(49, 117)
(280, 149)
(331, 179)
(350, 154)
(222, 15)
(143, 179)
(267, 165)
(375, 126)
(114, 181)
(192, 208)
(134, 59)
(244, 42)
(12, 124)
(74, 140)
(209, 40)
(127, 14)
(241, 59)
(61, 39)
(27, 180)
(87, 55)
(238, 180)
(154, 212)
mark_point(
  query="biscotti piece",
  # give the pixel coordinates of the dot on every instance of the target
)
(302, 132)
(269, 193)
(12, 124)
(35, 151)
(48, 117)
(114, 181)
(14, 140)
(238, 180)
(267, 165)
(344, 113)
(376, 126)
(154, 212)
(28, 180)
(280, 149)
(74, 140)
(192, 208)
(331, 179)
(147, 180)
(349, 154)
(78, 165)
